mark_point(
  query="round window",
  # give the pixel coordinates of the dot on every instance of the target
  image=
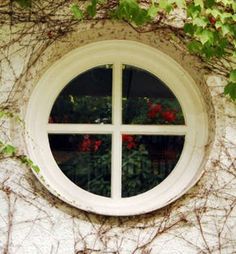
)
(117, 134)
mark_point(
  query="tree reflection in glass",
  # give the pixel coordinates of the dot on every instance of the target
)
(86, 99)
(147, 100)
(147, 161)
(85, 160)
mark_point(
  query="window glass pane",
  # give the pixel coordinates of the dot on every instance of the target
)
(147, 100)
(147, 161)
(85, 160)
(86, 99)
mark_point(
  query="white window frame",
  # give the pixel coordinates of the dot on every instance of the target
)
(117, 52)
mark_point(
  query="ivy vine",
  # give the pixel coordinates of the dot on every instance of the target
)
(209, 25)
(208, 29)
(7, 150)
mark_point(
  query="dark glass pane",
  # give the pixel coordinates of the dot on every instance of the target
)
(147, 100)
(147, 161)
(86, 99)
(85, 160)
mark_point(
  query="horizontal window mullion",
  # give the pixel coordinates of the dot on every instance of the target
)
(80, 128)
(154, 129)
(108, 128)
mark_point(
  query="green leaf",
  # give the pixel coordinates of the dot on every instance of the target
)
(141, 17)
(218, 24)
(9, 150)
(102, 1)
(5, 113)
(230, 89)
(208, 51)
(189, 28)
(213, 51)
(152, 11)
(195, 47)
(24, 3)
(92, 8)
(36, 169)
(225, 29)
(232, 76)
(234, 6)
(214, 12)
(199, 3)
(193, 11)
(234, 43)
(2, 114)
(77, 12)
(181, 3)
(209, 3)
(234, 55)
(223, 43)
(165, 5)
(29, 163)
(200, 21)
(129, 10)
(205, 36)
(225, 16)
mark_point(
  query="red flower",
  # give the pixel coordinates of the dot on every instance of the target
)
(157, 108)
(97, 144)
(89, 145)
(169, 116)
(129, 140)
(154, 109)
(86, 144)
(152, 114)
(131, 145)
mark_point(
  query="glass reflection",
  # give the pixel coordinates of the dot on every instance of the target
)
(147, 161)
(86, 99)
(147, 100)
(85, 160)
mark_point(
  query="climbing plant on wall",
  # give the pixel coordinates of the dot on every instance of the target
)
(209, 26)
(207, 29)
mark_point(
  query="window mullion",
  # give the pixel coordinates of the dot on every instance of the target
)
(116, 175)
(65, 128)
(177, 130)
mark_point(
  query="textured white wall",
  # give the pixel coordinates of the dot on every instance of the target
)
(34, 221)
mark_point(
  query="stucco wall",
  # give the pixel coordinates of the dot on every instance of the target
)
(34, 221)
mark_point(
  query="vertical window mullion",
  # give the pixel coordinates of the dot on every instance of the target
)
(116, 174)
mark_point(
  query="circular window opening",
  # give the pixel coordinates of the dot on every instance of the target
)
(147, 155)
(117, 135)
